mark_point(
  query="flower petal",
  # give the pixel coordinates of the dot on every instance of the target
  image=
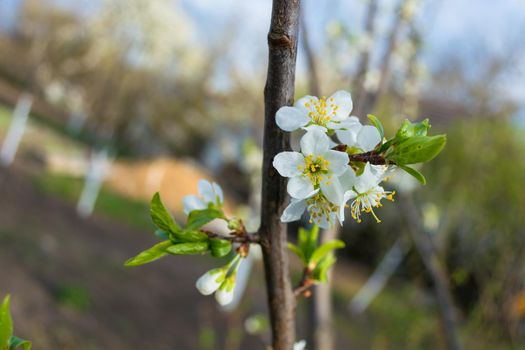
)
(191, 203)
(342, 99)
(333, 191)
(315, 127)
(301, 103)
(348, 179)
(315, 142)
(218, 192)
(206, 191)
(351, 122)
(366, 180)
(289, 164)
(291, 118)
(368, 138)
(300, 187)
(338, 162)
(294, 210)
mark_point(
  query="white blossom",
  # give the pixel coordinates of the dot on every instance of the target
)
(314, 168)
(311, 112)
(209, 282)
(362, 138)
(300, 345)
(209, 194)
(224, 294)
(367, 194)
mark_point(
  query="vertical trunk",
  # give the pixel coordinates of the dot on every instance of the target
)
(427, 252)
(278, 92)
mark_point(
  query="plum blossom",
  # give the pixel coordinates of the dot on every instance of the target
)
(211, 281)
(224, 294)
(311, 112)
(314, 168)
(209, 194)
(361, 138)
(367, 194)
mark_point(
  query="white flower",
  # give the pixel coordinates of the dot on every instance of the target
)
(311, 112)
(314, 168)
(300, 345)
(224, 294)
(367, 194)
(364, 138)
(210, 281)
(209, 193)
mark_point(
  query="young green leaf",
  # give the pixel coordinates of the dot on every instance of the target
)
(409, 129)
(320, 272)
(377, 123)
(189, 248)
(188, 236)
(324, 249)
(419, 177)
(161, 217)
(199, 218)
(308, 241)
(6, 323)
(152, 254)
(297, 252)
(417, 149)
(220, 247)
(15, 343)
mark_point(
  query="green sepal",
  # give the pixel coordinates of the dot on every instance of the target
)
(419, 177)
(149, 255)
(324, 249)
(220, 247)
(189, 248)
(377, 123)
(417, 149)
(199, 218)
(15, 342)
(6, 323)
(161, 217)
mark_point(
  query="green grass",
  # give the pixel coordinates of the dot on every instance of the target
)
(133, 213)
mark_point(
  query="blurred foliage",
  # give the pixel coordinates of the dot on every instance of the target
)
(74, 296)
(478, 185)
(131, 212)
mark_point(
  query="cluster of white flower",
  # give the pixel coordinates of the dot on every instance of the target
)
(321, 179)
(220, 281)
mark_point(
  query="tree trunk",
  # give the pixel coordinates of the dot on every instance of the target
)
(278, 92)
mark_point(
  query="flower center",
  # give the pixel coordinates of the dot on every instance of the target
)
(315, 167)
(367, 201)
(320, 207)
(321, 110)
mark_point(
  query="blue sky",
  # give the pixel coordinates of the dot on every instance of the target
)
(458, 25)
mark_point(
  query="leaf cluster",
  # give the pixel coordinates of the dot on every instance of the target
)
(177, 240)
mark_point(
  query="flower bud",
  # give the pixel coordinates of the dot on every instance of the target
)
(210, 281)
(224, 295)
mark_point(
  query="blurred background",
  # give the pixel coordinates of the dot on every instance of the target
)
(104, 102)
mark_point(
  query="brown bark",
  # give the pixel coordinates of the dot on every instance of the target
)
(428, 254)
(278, 92)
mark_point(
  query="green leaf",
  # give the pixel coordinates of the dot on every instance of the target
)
(320, 272)
(152, 254)
(308, 241)
(220, 247)
(186, 236)
(409, 129)
(324, 249)
(297, 252)
(417, 149)
(161, 234)
(377, 123)
(6, 323)
(15, 342)
(161, 217)
(189, 248)
(199, 218)
(419, 177)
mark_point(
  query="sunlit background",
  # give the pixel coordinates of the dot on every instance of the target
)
(105, 102)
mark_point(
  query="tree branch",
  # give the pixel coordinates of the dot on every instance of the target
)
(278, 92)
